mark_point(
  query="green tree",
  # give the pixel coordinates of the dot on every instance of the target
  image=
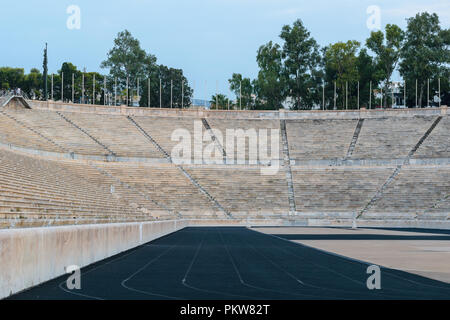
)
(242, 87)
(128, 59)
(341, 65)
(33, 83)
(387, 49)
(270, 86)
(45, 67)
(301, 61)
(11, 78)
(368, 72)
(220, 101)
(69, 69)
(425, 54)
(171, 80)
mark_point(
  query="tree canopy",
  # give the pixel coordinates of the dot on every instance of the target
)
(425, 53)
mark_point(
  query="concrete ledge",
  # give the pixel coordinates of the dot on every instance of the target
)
(387, 223)
(295, 163)
(237, 114)
(338, 220)
(32, 256)
(235, 222)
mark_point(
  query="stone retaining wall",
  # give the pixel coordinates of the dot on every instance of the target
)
(32, 256)
(236, 114)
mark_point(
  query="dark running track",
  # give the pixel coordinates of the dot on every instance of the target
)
(233, 263)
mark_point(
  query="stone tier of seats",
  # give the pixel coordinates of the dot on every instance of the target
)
(36, 192)
(255, 127)
(15, 134)
(319, 139)
(245, 191)
(53, 126)
(437, 145)
(162, 128)
(416, 190)
(336, 189)
(115, 132)
(167, 186)
(390, 138)
(309, 139)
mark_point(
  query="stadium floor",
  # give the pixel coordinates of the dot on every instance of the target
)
(229, 263)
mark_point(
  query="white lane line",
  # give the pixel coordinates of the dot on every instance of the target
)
(297, 280)
(193, 259)
(351, 260)
(250, 285)
(93, 269)
(325, 288)
(123, 283)
(186, 284)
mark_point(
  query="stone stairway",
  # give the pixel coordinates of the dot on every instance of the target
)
(59, 147)
(133, 189)
(4, 99)
(287, 166)
(183, 171)
(214, 138)
(354, 138)
(335, 189)
(149, 137)
(390, 138)
(442, 204)
(437, 143)
(243, 190)
(398, 169)
(87, 175)
(416, 190)
(86, 133)
(51, 125)
(116, 132)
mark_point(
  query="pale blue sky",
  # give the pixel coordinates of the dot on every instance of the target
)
(208, 39)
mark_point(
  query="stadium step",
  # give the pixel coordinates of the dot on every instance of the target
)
(34, 131)
(354, 138)
(397, 170)
(214, 138)
(183, 171)
(149, 137)
(287, 166)
(86, 133)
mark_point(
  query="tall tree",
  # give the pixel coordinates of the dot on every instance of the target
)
(341, 61)
(68, 69)
(243, 89)
(32, 83)
(11, 77)
(174, 88)
(425, 54)
(301, 60)
(270, 86)
(368, 72)
(128, 59)
(387, 48)
(45, 67)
